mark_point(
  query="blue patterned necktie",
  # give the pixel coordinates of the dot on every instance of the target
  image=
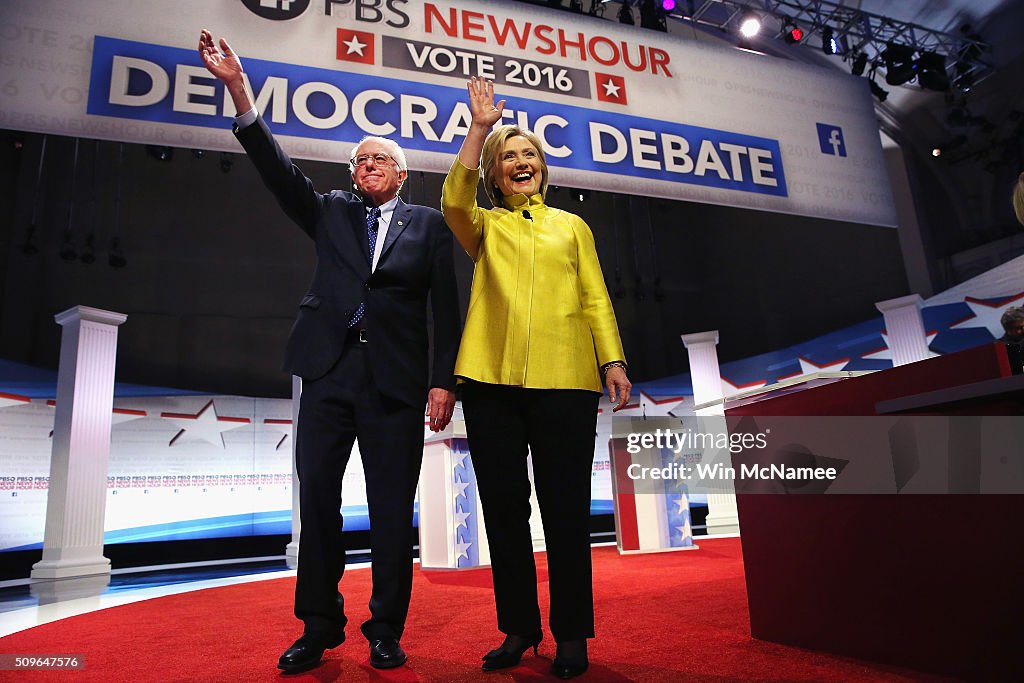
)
(371, 237)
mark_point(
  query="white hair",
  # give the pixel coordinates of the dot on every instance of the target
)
(397, 153)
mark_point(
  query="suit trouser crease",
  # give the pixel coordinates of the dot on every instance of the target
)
(557, 426)
(335, 410)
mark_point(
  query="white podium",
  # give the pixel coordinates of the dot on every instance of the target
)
(451, 521)
(650, 516)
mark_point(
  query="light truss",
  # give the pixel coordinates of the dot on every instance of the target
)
(858, 31)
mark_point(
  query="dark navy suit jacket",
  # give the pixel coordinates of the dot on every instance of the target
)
(416, 260)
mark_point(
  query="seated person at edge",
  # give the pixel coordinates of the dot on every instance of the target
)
(1013, 336)
(539, 334)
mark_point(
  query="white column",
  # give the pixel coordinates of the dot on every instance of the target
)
(77, 497)
(291, 551)
(723, 517)
(704, 372)
(907, 338)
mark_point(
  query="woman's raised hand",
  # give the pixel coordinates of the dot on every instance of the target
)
(481, 102)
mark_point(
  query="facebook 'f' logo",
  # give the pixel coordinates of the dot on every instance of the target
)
(830, 139)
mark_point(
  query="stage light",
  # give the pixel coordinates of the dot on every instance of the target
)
(89, 253)
(750, 25)
(931, 71)
(626, 15)
(791, 33)
(668, 5)
(28, 247)
(829, 44)
(115, 257)
(652, 16)
(859, 64)
(878, 91)
(67, 249)
(160, 152)
(900, 66)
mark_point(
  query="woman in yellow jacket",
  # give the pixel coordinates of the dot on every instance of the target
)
(539, 335)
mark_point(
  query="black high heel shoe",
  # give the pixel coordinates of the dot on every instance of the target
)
(570, 659)
(509, 652)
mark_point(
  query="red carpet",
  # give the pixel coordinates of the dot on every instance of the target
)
(669, 617)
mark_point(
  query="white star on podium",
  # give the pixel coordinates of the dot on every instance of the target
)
(462, 550)
(460, 488)
(460, 518)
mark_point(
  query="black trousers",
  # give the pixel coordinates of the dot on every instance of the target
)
(558, 427)
(334, 410)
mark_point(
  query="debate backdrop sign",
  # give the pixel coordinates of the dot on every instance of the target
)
(618, 108)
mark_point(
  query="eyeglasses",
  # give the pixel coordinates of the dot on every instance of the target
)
(379, 159)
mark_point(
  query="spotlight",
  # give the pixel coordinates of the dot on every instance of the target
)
(859, 63)
(115, 258)
(668, 5)
(829, 44)
(931, 71)
(28, 247)
(791, 33)
(878, 91)
(160, 152)
(750, 25)
(226, 162)
(67, 249)
(652, 16)
(900, 66)
(89, 254)
(626, 15)
(955, 143)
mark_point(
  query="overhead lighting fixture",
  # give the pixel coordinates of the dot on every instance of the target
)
(668, 5)
(626, 15)
(829, 44)
(931, 71)
(791, 33)
(160, 152)
(860, 62)
(877, 90)
(900, 66)
(652, 16)
(750, 25)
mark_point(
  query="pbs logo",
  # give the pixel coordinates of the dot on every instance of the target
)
(277, 10)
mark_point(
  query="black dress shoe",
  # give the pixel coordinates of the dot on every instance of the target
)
(306, 652)
(386, 653)
(509, 652)
(570, 659)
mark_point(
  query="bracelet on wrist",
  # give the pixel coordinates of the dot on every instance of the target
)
(613, 364)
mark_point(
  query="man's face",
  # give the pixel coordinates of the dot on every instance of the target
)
(377, 180)
(1015, 330)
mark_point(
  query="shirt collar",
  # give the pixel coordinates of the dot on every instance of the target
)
(520, 201)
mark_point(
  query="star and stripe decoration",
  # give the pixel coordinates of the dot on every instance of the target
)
(464, 506)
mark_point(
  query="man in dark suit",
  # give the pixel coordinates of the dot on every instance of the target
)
(360, 345)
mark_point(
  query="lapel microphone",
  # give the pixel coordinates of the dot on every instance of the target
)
(526, 215)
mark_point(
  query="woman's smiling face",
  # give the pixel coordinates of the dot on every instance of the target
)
(519, 168)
